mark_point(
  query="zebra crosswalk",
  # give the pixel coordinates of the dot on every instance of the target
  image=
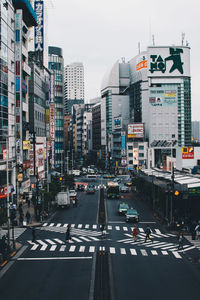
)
(195, 243)
(155, 244)
(17, 232)
(72, 249)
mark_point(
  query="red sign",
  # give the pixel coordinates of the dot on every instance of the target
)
(26, 164)
(188, 153)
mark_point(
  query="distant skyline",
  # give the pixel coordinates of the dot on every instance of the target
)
(100, 33)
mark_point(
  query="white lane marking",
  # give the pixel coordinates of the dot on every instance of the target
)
(147, 222)
(84, 238)
(76, 240)
(187, 249)
(58, 225)
(176, 254)
(103, 248)
(117, 227)
(169, 246)
(142, 235)
(154, 252)
(44, 245)
(141, 229)
(158, 231)
(109, 227)
(155, 235)
(133, 252)
(128, 241)
(94, 226)
(53, 248)
(161, 245)
(65, 225)
(50, 242)
(80, 225)
(112, 250)
(62, 248)
(93, 238)
(87, 226)
(165, 253)
(45, 224)
(59, 241)
(34, 246)
(143, 252)
(125, 228)
(54, 258)
(85, 232)
(72, 225)
(92, 249)
(82, 249)
(170, 234)
(51, 224)
(123, 251)
(72, 248)
(129, 235)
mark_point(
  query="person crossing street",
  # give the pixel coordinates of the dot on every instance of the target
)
(148, 234)
(68, 235)
(135, 232)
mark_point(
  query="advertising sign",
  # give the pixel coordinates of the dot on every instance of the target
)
(163, 97)
(141, 62)
(26, 145)
(187, 152)
(52, 88)
(135, 156)
(135, 130)
(52, 120)
(118, 123)
(39, 29)
(123, 161)
(169, 61)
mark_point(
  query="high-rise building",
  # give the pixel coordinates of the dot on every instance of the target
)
(7, 104)
(56, 65)
(196, 131)
(73, 86)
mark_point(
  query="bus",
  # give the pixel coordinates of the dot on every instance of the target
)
(112, 189)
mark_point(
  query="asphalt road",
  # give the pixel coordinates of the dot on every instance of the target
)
(51, 269)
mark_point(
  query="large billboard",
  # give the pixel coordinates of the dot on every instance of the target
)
(135, 130)
(187, 152)
(117, 123)
(163, 96)
(168, 61)
(39, 29)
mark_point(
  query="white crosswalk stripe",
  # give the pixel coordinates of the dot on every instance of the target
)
(50, 241)
(117, 228)
(80, 225)
(109, 227)
(87, 226)
(65, 225)
(76, 240)
(59, 241)
(40, 246)
(17, 232)
(58, 225)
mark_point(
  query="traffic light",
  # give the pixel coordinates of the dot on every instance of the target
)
(61, 179)
(176, 193)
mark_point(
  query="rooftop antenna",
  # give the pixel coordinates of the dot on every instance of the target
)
(187, 43)
(123, 60)
(139, 47)
(183, 38)
(153, 39)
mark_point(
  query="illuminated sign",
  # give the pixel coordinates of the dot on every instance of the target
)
(117, 123)
(39, 29)
(162, 97)
(26, 145)
(135, 130)
(187, 152)
(141, 63)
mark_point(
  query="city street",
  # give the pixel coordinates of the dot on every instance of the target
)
(51, 269)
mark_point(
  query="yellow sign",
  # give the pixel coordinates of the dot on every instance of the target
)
(26, 145)
(170, 95)
(20, 177)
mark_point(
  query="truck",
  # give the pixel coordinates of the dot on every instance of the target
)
(63, 199)
(112, 189)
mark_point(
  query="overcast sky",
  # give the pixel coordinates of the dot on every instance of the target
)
(97, 33)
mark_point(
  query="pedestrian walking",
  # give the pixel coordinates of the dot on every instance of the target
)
(180, 241)
(148, 234)
(21, 219)
(29, 203)
(68, 235)
(103, 231)
(28, 216)
(33, 234)
(197, 232)
(135, 232)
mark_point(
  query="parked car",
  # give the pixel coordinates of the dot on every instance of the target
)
(132, 215)
(122, 208)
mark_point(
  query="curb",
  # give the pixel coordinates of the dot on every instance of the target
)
(14, 252)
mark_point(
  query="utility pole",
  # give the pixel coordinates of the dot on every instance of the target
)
(172, 196)
(72, 159)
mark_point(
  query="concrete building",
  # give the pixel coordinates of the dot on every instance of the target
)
(73, 86)
(196, 131)
(160, 96)
(96, 131)
(87, 134)
(7, 105)
(114, 102)
(56, 65)
(25, 18)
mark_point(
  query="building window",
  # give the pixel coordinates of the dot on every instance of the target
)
(130, 147)
(130, 155)
(141, 154)
(141, 147)
(130, 162)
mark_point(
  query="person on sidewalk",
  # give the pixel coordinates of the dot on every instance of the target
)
(148, 234)
(68, 235)
(33, 235)
(135, 232)
(28, 216)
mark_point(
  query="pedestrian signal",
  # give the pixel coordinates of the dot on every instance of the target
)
(176, 193)
(60, 178)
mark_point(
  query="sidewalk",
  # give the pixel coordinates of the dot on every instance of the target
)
(195, 243)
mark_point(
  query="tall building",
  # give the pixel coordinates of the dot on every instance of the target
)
(56, 65)
(73, 86)
(7, 104)
(25, 18)
(196, 131)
